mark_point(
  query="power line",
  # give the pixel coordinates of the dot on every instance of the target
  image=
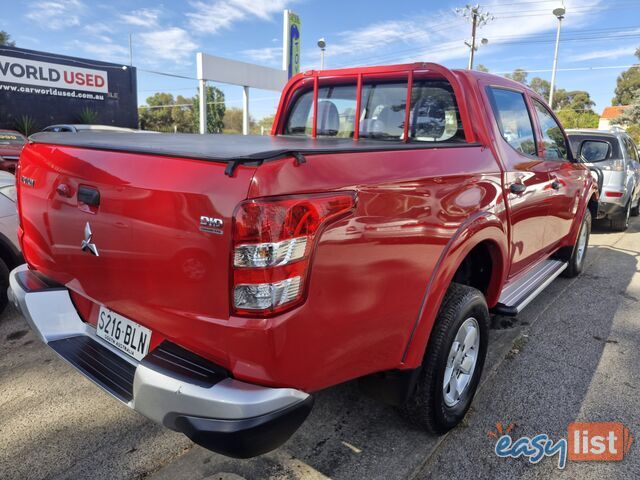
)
(577, 69)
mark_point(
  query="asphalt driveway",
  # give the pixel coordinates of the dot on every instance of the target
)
(572, 355)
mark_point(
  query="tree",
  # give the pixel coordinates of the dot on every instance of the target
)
(627, 84)
(572, 118)
(518, 75)
(163, 113)
(265, 124)
(233, 121)
(182, 115)
(5, 39)
(481, 68)
(631, 115)
(215, 110)
(541, 86)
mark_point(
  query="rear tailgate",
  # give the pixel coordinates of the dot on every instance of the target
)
(156, 264)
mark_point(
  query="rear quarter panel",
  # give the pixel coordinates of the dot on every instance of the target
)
(371, 270)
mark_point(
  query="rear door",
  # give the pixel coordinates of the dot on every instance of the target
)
(526, 175)
(566, 177)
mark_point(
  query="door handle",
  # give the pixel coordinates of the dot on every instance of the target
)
(517, 187)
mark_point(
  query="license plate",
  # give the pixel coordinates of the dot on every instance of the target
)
(124, 334)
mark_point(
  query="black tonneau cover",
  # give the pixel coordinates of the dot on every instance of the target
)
(229, 148)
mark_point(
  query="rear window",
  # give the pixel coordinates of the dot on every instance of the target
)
(433, 115)
(11, 139)
(577, 140)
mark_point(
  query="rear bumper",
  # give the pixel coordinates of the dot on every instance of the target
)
(607, 209)
(171, 386)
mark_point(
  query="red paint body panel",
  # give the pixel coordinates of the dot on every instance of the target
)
(377, 276)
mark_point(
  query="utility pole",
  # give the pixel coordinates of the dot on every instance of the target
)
(478, 19)
(474, 24)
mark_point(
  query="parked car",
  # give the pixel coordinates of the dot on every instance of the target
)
(368, 238)
(614, 157)
(10, 256)
(79, 128)
(11, 144)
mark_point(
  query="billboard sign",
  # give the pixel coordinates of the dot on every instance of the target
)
(26, 71)
(53, 88)
(292, 27)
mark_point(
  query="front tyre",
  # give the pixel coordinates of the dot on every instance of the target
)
(579, 250)
(453, 361)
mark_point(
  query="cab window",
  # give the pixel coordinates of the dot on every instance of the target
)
(433, 117)
(555, 144)
(513, 119)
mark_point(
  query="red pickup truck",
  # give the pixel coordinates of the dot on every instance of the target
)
(213, 283)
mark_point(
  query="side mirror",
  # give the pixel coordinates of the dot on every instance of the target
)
(594, 151)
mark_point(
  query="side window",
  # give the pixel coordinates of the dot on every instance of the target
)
(336, 112)
(513, 119)
(632, 153)
(555, 145)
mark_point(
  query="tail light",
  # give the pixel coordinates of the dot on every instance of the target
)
(613, 194)
(615, 165)
(273, 242)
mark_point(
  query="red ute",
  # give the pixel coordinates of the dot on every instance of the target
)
(369, 237)
(11, 144)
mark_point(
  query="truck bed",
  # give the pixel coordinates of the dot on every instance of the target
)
(223, 148)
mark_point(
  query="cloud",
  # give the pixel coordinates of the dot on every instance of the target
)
(144, 17)
(213, 16)
(56, 15)
(440, 35)
(173, 44)
(267, 55)
(104, 50)
(627, 51)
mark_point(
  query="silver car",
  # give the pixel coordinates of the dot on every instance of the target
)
(10, 256)
(613, 157)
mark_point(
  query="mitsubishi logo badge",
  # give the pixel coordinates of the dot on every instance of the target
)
(86, 244)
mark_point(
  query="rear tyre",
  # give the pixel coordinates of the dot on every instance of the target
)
(453, 361)
(579, 250)
(620, 222)
(4, 285)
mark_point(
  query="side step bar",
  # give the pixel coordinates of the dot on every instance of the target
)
(522, 290)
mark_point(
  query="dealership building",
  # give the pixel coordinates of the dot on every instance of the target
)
(48, 88)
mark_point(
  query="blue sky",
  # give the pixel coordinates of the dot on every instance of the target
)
(167, 35)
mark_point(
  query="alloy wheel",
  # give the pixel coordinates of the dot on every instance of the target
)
(461, 362)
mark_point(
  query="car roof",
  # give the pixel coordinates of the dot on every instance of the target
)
(595, 131)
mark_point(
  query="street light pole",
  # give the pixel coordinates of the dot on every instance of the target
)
(559, 13)
(322, 44)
